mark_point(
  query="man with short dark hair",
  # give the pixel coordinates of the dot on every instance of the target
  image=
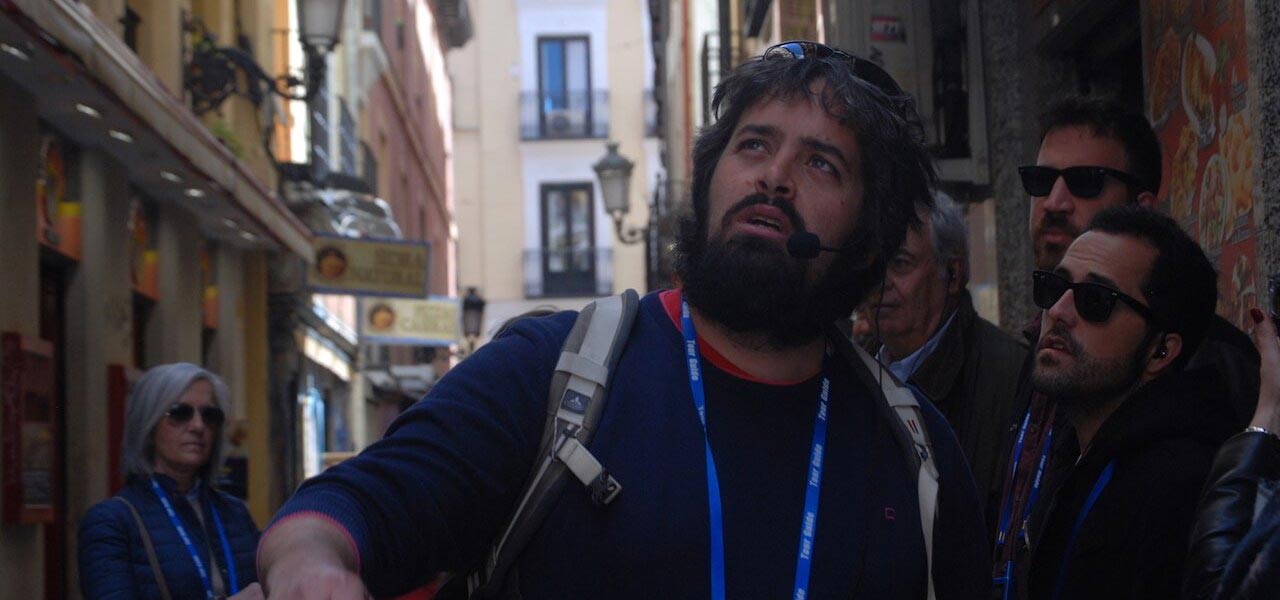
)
(718, 409)
(931, 336)
(1124, 309)
(1094, 154)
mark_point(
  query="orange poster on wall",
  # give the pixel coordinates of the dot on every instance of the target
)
(58, 223)
(1197, 70)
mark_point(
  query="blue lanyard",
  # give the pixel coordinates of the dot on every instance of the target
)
(1098, 486)
(191, 549)
(1006, 512)
(804, 557)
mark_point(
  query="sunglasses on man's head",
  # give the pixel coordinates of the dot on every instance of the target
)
(180, 413)
(1083, 181)
(864, 69)
(1094, 301)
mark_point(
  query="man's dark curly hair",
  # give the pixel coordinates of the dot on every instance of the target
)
(897, 171)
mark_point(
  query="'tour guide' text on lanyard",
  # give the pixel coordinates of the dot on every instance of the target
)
(233, 586)
(808, 525)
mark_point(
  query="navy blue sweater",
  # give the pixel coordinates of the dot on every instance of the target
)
(432, 495)
(113, 561)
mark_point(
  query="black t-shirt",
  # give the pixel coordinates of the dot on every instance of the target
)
(761, 438)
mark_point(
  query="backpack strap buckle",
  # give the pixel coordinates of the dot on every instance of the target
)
(603, 487)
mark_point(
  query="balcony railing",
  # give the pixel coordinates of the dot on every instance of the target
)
(568, 273)
(556, 115)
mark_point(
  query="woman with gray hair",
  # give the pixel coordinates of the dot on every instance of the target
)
(170, 533)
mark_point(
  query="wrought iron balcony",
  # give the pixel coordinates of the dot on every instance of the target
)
(551, 273)
(564, 115)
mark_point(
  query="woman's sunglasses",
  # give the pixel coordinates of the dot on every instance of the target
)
(181, 413)
(1083, 181)
(1094, 301)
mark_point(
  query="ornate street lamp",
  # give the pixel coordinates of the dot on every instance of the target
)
(472, 316)
(614, 171)
(212, 73)
(320, 23)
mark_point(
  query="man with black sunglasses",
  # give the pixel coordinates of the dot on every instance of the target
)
(1094, 154)
(1124, 310)
(757, 452)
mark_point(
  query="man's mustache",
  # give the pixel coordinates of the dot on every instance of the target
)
(1061, 333)
(1058, 221)
(787, 208)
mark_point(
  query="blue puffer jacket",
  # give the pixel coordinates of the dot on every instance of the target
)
(113, 561)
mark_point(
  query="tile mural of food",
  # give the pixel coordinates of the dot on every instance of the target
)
(1214, 209)
(1237, 149)
(1239, 292)
(1198, 66)
(1164, 77)
(1182, 178)
(1195, 56)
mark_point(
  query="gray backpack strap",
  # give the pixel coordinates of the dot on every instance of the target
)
(150, 548)
(574, 405)
(912, 435)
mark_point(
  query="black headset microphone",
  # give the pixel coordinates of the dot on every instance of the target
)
(806, 245)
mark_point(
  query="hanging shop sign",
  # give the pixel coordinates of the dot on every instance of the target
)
(365, 267)
(431, 322)
(28, 389)
(58, 222)
(1198, 101)
(144, 261)
(888, 29)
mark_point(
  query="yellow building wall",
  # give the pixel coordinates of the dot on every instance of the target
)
(628, 78)
(487, 160)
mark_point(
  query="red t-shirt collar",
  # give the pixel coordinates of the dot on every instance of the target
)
(671, 300)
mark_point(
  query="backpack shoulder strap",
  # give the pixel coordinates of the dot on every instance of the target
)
(575, 403)
(907, 423)
(149, 547)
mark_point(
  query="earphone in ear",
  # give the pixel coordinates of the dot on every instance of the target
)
(1161, 351)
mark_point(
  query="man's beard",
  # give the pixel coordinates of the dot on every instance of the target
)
(754, 286)
(1090, 384)
(1052, 254)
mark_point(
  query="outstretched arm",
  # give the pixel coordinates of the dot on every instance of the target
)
(309, 556)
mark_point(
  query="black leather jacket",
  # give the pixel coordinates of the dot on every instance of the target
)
(1235, 542)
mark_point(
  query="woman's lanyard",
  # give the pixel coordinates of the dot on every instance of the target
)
(808, 525)
(1098, 486)
(1006, 511)
(191, 549)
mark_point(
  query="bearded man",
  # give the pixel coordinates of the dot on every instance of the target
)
(1124, 310)
(756, 463)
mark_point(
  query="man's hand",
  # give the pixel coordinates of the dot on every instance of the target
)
(308, 557)
(1267, 415)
